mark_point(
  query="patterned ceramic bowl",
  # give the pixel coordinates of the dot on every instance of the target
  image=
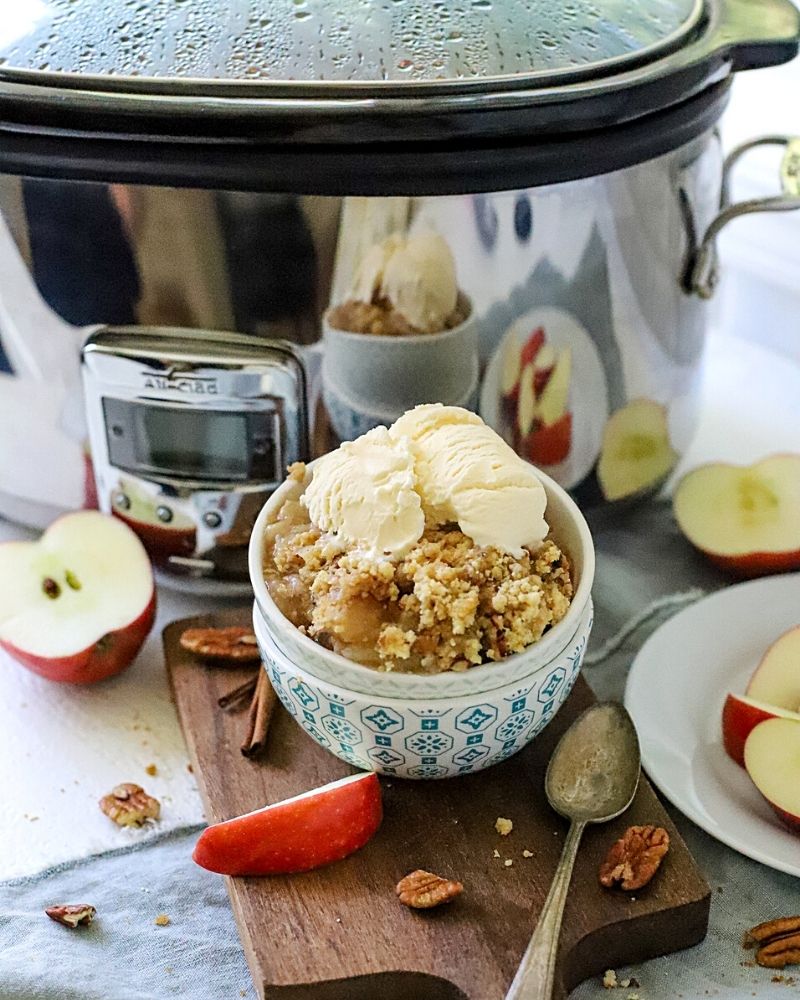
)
(427, 726)
(440, 735)
(570, 530)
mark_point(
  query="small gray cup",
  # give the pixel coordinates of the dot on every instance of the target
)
(369, 379)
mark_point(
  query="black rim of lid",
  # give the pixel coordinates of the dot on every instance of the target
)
(413, 169)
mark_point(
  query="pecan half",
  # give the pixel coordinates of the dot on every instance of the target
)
(423, 890)
(780, 952)
(771, 929)
(233, 643)
(130, 805)
(71, 914)
(634, 859)
(778, 942)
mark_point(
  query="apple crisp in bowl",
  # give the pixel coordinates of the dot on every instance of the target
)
(445, 604)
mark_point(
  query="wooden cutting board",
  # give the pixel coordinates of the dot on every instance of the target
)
(340, 934)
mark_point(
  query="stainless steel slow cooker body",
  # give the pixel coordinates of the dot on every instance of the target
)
(228, 169)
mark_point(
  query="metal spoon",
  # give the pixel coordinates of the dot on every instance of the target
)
(591, 778)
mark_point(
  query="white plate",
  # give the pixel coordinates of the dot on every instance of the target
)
(588, 390)
(675, 693)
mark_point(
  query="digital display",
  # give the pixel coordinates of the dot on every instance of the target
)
(186, 441)
(192, 442)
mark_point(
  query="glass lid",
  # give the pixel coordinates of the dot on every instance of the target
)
(256, 46)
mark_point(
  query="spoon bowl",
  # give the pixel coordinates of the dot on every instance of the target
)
(594, 771)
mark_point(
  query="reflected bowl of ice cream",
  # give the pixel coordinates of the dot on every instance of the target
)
(404, 335)
(427, 570)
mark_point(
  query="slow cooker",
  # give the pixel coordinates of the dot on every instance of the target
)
(227, 168)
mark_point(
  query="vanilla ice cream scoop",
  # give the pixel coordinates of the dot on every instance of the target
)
(466, 473)
(416, 275)
(436, 465)
(364, 494)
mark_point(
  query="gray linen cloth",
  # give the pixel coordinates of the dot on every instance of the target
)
(645, 573)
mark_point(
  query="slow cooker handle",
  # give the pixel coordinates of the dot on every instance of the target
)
(704, 270)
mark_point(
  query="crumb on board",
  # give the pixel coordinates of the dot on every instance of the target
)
(161, 920)
(152, 770)
(508, 862)
(503, 826)
(495, 853)
(527, 854)
(610, 980)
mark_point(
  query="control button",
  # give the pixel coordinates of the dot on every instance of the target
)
(122, 500)
(211, 519)
(164, 514)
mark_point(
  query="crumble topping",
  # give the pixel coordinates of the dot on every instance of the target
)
(449, 604)
(379, 317)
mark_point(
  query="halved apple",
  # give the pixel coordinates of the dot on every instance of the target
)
(772, 759)
(746, 519)
(298, 834)
(77, 604)
(161, 538)
(636, 453)
(776, 679)
(740, 715)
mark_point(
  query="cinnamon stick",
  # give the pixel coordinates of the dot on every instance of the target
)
(258, 718)
(234, 699)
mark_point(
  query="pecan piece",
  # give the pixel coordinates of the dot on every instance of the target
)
(233, 643)
(780, 952)
(71, 914)
(634, 859)
(770, 929)
(130, 805)
(423, 890)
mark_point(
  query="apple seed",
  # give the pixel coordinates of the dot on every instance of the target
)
(51, 588)
(72, 581)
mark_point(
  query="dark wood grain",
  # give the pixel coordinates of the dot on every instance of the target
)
(340, 934)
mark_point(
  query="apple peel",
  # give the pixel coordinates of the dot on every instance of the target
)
(299, 834)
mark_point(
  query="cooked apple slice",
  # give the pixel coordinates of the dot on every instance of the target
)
(772, 759)
(746, 519)
(77, 604)
(526, 404)
(512, 367)
(551, 445)
(531, 347)
(636, 453)
(776, 679)
(740, 715)
(298, 834)
(552, 404)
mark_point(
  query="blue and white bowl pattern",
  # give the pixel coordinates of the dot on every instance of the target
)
(434, 738)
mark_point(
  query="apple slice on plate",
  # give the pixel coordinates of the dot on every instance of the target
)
(776, 679)
(746, 519)
(740, 715)
(298, 834)
(77, 604)
(526, 405)
(772, 759)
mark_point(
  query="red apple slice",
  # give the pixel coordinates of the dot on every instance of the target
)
(509, 385)
(740, 716)
(526, 404)
(772, 759)
(77, 604)
(746, 519)
(543, 367)
(531, 347)
(298, 834)
(636, 453)
(551, 445)
(552, 404)
(776, 680)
